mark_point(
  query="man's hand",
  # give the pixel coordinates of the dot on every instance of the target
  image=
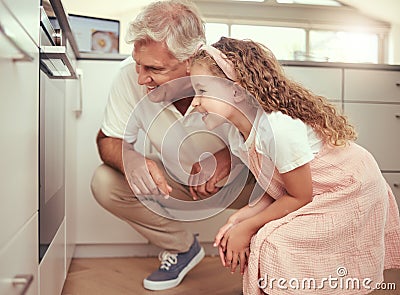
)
(143, 175)
(206, 174)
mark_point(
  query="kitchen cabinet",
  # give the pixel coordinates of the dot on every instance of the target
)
(378, 130)
(72, 97)
(372, 103)
(326, 82)
(27, 12)
(393, 180)
(96, 226)
(382, 86)
(19, 265)
(19, 84)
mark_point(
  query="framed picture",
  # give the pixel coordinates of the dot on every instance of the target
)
(95, 35)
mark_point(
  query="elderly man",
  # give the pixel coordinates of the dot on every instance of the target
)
(164, 35)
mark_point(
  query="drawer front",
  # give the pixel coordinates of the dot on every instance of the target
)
(20, 257)
(394, 181)
(372, 85)
(378, 128)
(321, 81)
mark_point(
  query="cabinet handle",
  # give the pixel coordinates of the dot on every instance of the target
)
(78, 111)
(397, 116)
(23, 280)
(396, 185)
(24, 55)
(398, 84)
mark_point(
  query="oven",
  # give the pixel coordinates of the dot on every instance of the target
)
(55, 67)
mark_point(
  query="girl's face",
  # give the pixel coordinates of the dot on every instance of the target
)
(214, 97)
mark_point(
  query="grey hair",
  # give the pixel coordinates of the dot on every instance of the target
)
(175, 22)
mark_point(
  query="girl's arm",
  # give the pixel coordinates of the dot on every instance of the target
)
(298, 185)
(243, 214)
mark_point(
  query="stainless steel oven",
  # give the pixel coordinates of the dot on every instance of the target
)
(55, 67)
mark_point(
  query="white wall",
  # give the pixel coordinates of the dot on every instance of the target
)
(125, 19)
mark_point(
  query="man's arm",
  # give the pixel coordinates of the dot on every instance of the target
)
(142, 174)
(110, 151)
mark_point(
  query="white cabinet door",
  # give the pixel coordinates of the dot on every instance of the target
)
(19, 257)
(96, 225)
(394, 181)
(19, 84)
(28, 13)
(326, 82)
(371, 85)
(378, 128)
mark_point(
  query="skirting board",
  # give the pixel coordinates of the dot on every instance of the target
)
(127, 250)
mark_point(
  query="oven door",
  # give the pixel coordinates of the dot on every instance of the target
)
(55, 67)
(51, 159)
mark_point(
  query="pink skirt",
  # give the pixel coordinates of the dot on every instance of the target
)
(340, 243)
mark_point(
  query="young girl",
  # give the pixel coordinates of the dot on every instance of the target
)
(328, 219)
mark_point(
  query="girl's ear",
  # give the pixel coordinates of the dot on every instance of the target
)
(238, 93)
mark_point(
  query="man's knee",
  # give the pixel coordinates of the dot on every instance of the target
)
(105, 180)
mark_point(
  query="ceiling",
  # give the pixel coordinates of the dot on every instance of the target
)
(385, 10)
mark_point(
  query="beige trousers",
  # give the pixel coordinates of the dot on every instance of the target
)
(112, 192)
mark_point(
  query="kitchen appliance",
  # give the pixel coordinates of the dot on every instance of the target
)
(55, 67)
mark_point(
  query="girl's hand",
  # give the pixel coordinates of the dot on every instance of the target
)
(231, 222)
(222, 232)
(236, 246)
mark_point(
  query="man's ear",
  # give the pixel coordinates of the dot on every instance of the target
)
(188, 64)
(238, 93)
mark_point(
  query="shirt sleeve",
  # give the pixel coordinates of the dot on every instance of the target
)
(124, 94)
(284, 140)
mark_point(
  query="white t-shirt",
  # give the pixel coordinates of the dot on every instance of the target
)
(288, 142)
(179, 140)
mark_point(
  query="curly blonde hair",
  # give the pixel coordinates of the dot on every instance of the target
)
(259, 72)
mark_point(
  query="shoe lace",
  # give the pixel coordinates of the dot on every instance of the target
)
(167, 259)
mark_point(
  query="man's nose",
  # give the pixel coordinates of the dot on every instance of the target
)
(143, 76)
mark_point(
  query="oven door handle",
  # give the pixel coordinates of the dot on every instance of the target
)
(55, 62)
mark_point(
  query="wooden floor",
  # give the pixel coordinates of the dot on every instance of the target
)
(124, 276)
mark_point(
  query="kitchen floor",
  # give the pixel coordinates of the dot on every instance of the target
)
(124, 276)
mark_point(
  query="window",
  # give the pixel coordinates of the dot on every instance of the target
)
(214, 31)
(311, 2)
(344, 46)
(283, 42)
(290, 43)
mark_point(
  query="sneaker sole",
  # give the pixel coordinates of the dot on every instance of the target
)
(163, 285)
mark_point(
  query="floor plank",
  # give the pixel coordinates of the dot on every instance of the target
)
(122, 276)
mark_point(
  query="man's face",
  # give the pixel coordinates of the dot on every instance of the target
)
(155, 64)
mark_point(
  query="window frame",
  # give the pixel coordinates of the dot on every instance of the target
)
(312, 17)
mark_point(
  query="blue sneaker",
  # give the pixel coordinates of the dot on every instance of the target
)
(174, 267)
